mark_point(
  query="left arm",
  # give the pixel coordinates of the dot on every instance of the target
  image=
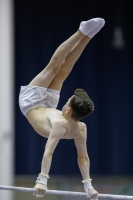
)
(83, 159)
(84, 163)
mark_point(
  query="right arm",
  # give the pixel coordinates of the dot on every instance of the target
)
(58, 130)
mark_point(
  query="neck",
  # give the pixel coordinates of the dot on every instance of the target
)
(69, 118)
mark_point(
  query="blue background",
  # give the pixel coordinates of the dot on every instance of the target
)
(105, 72)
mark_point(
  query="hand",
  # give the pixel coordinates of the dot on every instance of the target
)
(40, 190)
(92, 194)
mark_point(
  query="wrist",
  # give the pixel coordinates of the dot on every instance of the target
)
(87, 184)
(42, 179)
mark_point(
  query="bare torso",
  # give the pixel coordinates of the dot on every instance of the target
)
(52, 124)
(42, 120)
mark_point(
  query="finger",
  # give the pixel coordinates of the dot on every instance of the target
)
(94, 197)
(89, 196)
(40, 191)
(34, 193)
(39, 196)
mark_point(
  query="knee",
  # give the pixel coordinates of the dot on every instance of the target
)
(56, 65)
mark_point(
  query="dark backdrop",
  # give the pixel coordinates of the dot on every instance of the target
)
(105, 71)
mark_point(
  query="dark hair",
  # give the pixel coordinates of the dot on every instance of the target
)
(81, 105)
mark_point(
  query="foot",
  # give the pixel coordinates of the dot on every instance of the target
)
(92, 26)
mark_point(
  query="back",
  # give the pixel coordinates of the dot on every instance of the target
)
(42, 120)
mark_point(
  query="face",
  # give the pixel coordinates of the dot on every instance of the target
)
(66, 107)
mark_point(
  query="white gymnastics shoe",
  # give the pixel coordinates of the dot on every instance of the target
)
(92, 26)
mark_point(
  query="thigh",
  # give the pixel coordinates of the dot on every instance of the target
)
(46, 76)
(60, 77)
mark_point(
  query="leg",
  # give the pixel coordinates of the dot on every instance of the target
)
(68, 64)
(89, 28)
(44, 78)
(58, 60)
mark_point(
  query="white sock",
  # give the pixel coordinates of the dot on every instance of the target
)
(87, 27)
(97, 29)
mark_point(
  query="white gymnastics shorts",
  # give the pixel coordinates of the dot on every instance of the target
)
(33, 96)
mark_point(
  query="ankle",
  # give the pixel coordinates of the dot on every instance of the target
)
(81, 34)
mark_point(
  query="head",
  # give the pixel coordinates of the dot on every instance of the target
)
(79, 105)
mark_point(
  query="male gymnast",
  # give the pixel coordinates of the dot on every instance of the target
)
(39, 99)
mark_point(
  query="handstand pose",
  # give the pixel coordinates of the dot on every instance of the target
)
(39, 99)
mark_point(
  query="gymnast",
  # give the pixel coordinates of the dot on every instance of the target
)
(38, 102)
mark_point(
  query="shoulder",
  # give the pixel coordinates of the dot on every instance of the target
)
(82, 127)
(80, 140)
(81, 131)
(59, 122)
